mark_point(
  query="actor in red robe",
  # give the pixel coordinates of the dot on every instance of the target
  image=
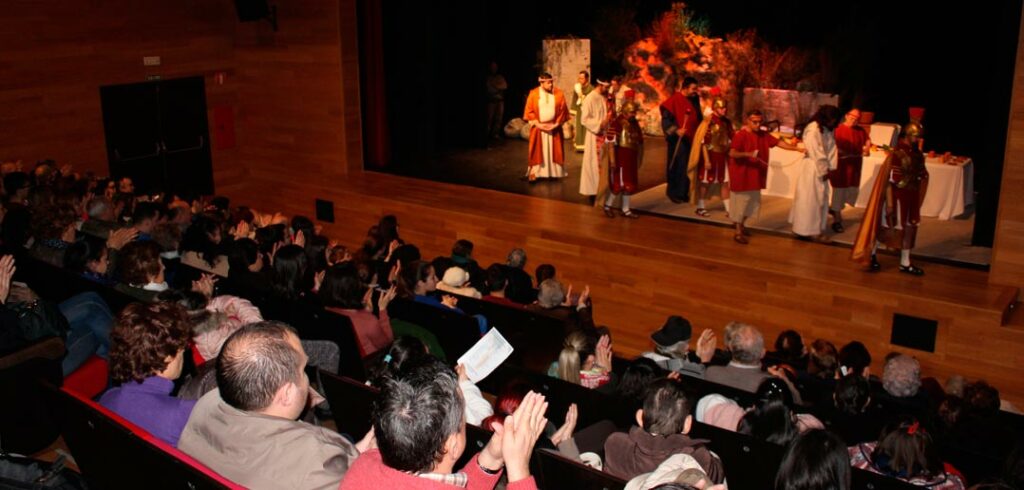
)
(545, 113)
(853, 145)
(894, 209)
(748, 170)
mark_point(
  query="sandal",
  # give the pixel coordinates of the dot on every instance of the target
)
(914, 271)
(630, 214)
(609, 212)
(739, 238)
(838, 227)
(703, 213)
(531, 178)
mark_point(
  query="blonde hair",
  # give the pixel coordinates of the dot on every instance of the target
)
(576, 348)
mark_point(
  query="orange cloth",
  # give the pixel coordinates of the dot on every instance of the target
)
(532, 113)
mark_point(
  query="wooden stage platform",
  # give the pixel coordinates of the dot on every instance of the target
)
(641, 271)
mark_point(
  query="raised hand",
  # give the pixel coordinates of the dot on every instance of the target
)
(706, 345)
(565, 432)
(6, 274)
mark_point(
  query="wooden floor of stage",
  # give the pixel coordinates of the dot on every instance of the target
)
(641, 271)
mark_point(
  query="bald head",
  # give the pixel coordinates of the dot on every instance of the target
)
(255, 362)
(746, 344)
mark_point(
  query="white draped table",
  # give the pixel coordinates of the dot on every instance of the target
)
(950, 187)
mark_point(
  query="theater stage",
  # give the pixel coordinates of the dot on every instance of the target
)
(643, 270)
(502, 167)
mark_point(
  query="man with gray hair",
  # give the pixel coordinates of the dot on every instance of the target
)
(520, 284)
(746, 344)
(555, 301)
(102, 219)
(246, 430)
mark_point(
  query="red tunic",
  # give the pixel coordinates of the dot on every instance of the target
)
(716, 141)
(629, 141)
(850, 142)
(680, 107)
(749, 174)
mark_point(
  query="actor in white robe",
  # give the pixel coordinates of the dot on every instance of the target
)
(594, 117)
(809, 215)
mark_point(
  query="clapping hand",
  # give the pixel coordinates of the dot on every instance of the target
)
(564, 432)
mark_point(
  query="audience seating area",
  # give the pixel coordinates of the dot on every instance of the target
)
(110, 450)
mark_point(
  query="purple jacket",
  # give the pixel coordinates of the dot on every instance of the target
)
(149, 405)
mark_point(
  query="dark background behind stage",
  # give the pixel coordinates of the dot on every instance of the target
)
(427, 62)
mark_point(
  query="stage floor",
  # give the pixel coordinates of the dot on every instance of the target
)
(502, 167)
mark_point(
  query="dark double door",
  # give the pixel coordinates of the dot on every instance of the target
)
(157, 134)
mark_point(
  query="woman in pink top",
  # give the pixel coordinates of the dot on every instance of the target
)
(342, 292)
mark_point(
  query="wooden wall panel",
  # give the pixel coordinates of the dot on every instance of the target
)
(1008, 249)
(285, 88)
(56, 55)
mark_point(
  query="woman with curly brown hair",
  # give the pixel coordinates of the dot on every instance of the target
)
(147, 350)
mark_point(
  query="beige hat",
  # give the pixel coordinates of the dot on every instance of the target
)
(455, 277)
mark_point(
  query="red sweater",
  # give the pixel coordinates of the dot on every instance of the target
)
(369, 472)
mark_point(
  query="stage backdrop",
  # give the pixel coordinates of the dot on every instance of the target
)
(789, 107)
(564, 59)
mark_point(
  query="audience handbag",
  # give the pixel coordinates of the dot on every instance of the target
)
(18, 472)
(40, 318)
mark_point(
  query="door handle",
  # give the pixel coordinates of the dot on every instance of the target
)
(156, 151)
(202, 141)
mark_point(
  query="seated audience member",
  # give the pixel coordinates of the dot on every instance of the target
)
(790, 350)
(456, 281)
(342, 292)
(554, 301)
(420, 434)
(462, 257)
(520, 284)
(664, 422)
(746, 344)
(147, 352)
(817, 382)
(906, 451)
(145, 217)
(855, 417)
(498, 286)
(246, 430)
(90, 258)
(632, 385)
(980, 427)
(140, 271)
(586, 359)
(672, 347)
(543, 273)
(772, 417)
(101, 218)
(290, 277)
(404, 349)
(381, 237)
(201, 245)
(901, 381)
(417, 282)
(854, 358)
(816, 460)
(53, 227)
(245, 266)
